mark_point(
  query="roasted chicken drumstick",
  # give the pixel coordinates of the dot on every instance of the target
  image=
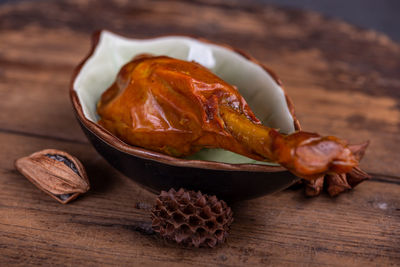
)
(178, 107)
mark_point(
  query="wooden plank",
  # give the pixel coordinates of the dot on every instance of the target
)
(104, 227)
(34, 82)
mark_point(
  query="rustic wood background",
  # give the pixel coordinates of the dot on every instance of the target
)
(344, 81)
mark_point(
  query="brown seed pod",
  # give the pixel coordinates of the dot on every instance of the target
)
(55, 172)
(191, 218)
(336, 184)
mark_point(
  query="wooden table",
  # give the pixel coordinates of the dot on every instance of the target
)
(345, 81)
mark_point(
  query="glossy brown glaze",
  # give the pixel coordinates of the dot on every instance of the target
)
(171, 106)
(178, 107)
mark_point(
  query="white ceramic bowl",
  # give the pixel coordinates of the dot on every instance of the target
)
(216, 171)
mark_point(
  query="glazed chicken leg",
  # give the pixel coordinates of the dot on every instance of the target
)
(178, 107)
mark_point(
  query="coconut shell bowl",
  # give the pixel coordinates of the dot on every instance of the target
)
(213, 171)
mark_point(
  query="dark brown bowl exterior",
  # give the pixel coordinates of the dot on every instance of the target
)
(156, 176)
(156, 171)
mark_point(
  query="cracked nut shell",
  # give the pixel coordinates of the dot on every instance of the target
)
(55, 172)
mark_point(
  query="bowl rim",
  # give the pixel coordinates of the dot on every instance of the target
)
(111, 140)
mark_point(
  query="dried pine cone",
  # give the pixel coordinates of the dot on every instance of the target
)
(191, 218)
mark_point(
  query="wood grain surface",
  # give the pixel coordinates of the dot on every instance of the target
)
(343, 80)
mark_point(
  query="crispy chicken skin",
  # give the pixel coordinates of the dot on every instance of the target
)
(178, 107)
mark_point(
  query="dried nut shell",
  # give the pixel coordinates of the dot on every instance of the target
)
(55, 172)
